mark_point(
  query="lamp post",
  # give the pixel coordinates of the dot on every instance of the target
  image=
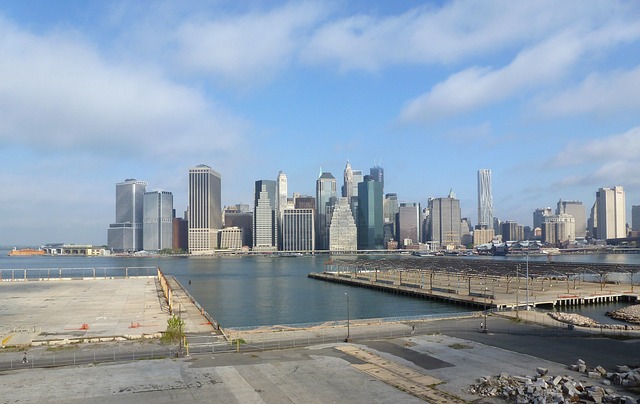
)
(486, 309)
(348, 330)
(527, 281)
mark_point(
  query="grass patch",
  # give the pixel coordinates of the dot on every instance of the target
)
(460, 346)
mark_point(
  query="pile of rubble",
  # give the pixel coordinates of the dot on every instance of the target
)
(544, 388)
(582, 321)
(630, 314)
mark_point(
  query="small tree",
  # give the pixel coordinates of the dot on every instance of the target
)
(174, 332)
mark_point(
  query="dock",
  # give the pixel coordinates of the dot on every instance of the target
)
(482, 284)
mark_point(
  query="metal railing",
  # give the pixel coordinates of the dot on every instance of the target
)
(45, 274)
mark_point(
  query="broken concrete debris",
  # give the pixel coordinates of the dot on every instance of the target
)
(545, 388)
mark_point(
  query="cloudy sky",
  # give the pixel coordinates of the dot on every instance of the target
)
(544, 93)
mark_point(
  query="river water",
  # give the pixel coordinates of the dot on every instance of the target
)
(261, 290)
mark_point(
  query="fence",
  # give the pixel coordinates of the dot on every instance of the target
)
(48, 274)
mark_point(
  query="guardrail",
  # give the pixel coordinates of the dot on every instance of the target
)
(51, 274)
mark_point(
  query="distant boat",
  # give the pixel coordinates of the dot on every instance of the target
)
(25, 252)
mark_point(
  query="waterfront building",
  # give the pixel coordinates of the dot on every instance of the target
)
(281, 203)
(444, 226)
(180, 236)
(612, 219)
(390, 210)
(326, 197)
(157, 221)
(298, 230)
(370, 216)
(343, 232)
(512, 231)
(592, 223)
(243, 220)
(578, 211)
(125, 235)
(558, 229)
(408, 224)
(635, 217)
(482, 236)
(230, 238)
(539, 215)
(264, 219)
(485, 199)
(205, 209)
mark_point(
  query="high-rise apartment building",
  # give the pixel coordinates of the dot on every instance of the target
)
(408, 224)
(125, 235)
(157, 221)
(444, 224)
(579, 213)
(205, 209)
(560, 228)
(298, 230)
(612, 218)
(512, 231)
(343, 232)
(326, 197)
(370, 215)
(485, 199)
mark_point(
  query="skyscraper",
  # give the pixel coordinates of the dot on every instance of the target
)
(347, 187)
(265, 217)
(612, 219)
(635, 217)
(298, 233)
(444, 226)
(205, 209)
(350, 187)
(485, 199)
(125, 235)
(408, 224)
(539, 215)
(157, 221)
(343, 233)
(377, 174)
(326, 197)
(281, 203)
(370, 215)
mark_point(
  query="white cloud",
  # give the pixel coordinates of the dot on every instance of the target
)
(250, 47)
(58, 93)
(599, 94)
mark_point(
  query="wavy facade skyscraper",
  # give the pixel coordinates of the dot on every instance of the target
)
(485, 199)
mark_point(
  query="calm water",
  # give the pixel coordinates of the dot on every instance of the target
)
(244, 291)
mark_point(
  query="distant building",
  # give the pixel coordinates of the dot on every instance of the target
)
(377, 174)
(539, 215)
(485, 199)
(157, 221)
(281, 203)
(390, 211)
(326, 197)
(482, 236)
(558, 229)
(635, 217)
(180, 236)
(370, 215)
(243, 220)
(230, 238)
(205, 209)
(444, 226)
(512, 231)
(612, 220)
(264, 219)
(343, 233)
(579, 213)
(298, 230)
(408, 224)
(125, 235)
(304, 202)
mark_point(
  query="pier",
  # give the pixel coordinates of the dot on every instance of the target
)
(488, 283)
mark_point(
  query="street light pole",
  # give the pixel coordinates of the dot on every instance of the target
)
(348, 330)
(527, 281)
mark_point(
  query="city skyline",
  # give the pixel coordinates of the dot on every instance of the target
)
(430, 91)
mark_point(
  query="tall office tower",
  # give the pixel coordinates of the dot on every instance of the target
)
(326, 197)
(592, 223)
(298, 230)
(485, 199)
(347, 187)
(157, 221)
(243, 220)
(497, 228)
(579, 213)
(205, 209)
(272, 198)
(125, 235)
(635, 217)
(304, 202)
(180, 234)
(445, 221)
(389, 212)
(281, 203)
(408, 224)
(350, 188)
(264, 219)
(370, 215)
(539, 215)
(377, 174)
(343, 232)
(612, 219)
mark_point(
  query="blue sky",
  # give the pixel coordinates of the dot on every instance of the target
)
(543, 93)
